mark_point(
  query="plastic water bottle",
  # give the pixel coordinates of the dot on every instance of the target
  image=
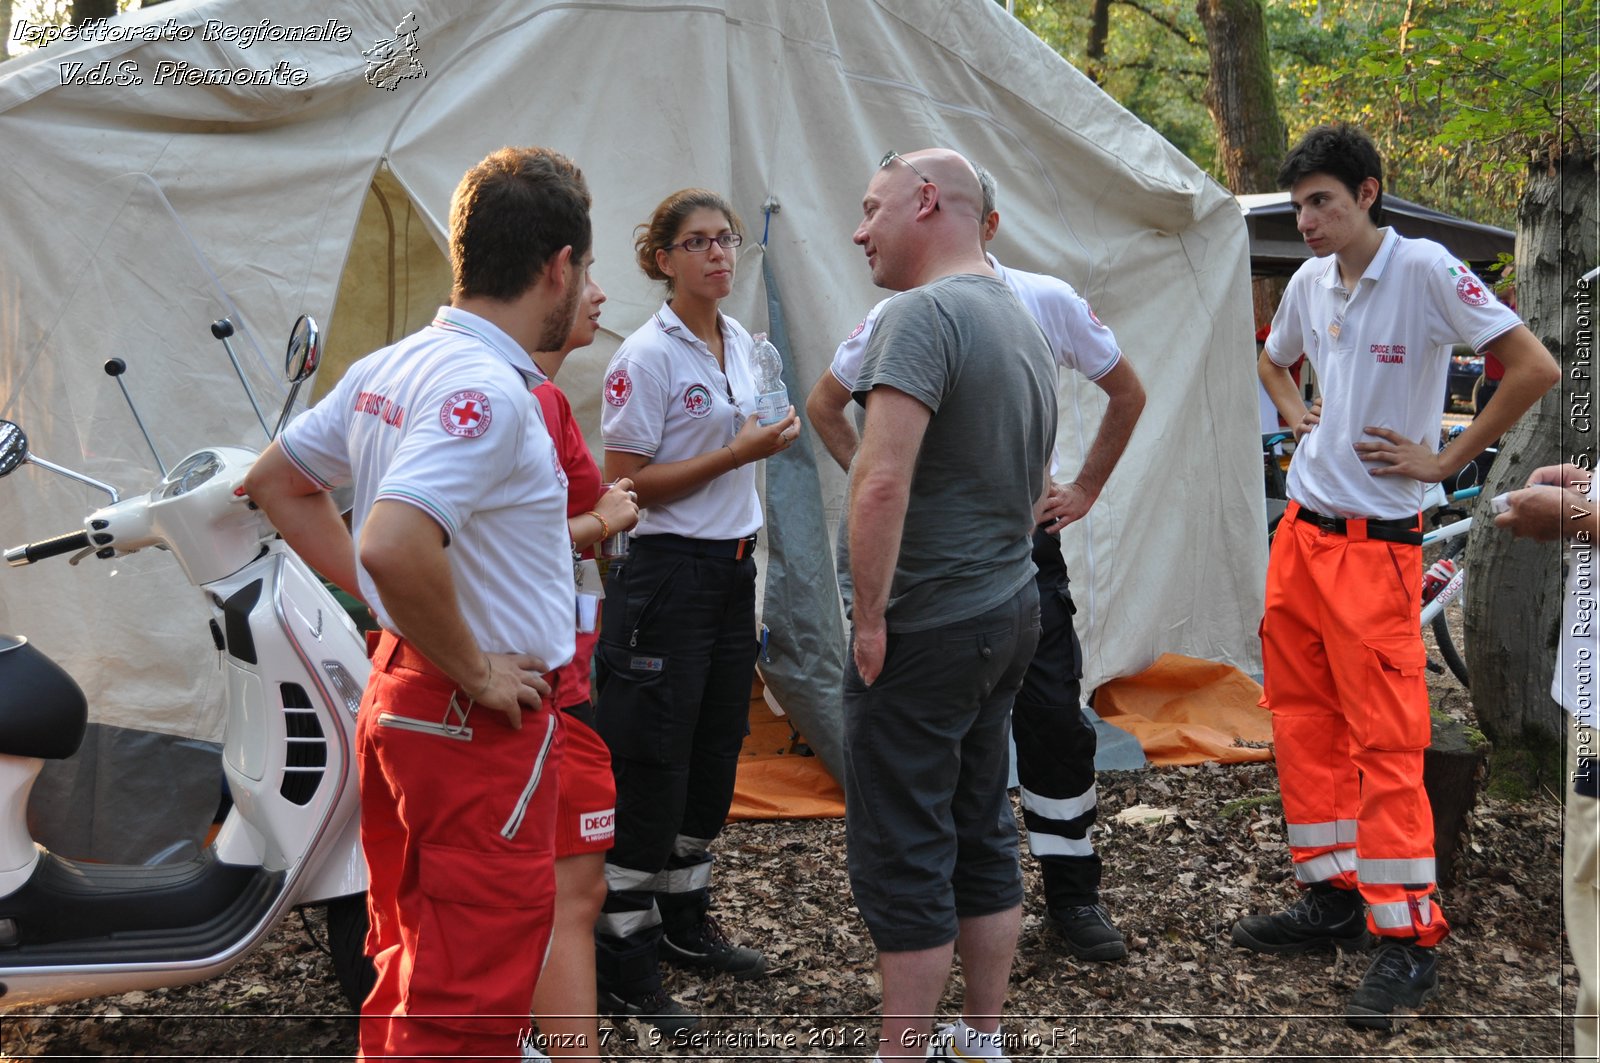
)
(1438, 575)
(772, 397)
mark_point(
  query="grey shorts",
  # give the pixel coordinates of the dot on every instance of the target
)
(931, 837)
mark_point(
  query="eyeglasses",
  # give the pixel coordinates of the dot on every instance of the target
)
(891, 156)
(696, 244)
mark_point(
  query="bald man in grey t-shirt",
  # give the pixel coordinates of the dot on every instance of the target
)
(959, 389)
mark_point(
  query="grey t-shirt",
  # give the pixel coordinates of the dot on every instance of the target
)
(965, 347)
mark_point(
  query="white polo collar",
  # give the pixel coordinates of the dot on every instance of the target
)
(1375, 268)
(668, 321)
(455, 319)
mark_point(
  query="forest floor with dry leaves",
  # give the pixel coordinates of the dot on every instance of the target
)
(1175, 886)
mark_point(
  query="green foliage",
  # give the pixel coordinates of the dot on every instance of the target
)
(1463, 96)
(1064, 27)
(1155, 63)
(1458, 94)
(1498, 72)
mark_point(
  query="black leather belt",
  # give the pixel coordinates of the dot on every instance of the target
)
(1396, 530)
(731, 549)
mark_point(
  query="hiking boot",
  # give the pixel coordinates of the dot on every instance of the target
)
(704, 945)
(1324, 915)
(655, 1008)
(1089, 932)
(1404, 975)
(942, 1045)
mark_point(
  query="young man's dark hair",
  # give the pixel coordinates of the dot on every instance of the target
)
(1341, 151)
(511, 212)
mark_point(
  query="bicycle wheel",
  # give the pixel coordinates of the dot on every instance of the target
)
(1447, 649)
(1442, 634)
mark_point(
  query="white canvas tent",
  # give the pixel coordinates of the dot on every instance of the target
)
(138, 212)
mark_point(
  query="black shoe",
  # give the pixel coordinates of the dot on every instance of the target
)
(655, 1008)
(1324, 915)
(705, 945)
(1089, 932)
(1404, 975)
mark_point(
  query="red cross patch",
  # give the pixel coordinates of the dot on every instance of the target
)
(466, 414)
(1471, 292)
(618, 387)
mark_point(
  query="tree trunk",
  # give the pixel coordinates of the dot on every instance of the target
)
(1265, 295)
(84, 10)
(1094, 55)
(1240, 96)
(1244, 108)
(1513, 608)
(1452, 766)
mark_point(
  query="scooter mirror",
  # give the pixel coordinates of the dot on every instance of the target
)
(305, 349)
(13, 447)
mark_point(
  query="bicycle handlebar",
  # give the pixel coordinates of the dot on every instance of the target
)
(28, 553)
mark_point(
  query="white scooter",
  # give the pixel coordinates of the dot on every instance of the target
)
(295, 667)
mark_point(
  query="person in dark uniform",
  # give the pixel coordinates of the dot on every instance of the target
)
(677, 641)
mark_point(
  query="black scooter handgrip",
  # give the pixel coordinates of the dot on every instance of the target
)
(69, 543)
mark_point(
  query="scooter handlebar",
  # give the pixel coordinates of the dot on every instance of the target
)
(28, 553)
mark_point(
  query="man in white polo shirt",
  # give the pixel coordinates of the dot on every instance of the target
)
(459, 544)
(1055, 742)
(1376, 313)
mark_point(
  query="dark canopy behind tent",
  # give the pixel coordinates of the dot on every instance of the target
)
(1276, 248)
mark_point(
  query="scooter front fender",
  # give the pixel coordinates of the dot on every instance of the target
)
(342, 870)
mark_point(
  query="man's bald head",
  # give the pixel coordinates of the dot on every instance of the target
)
(918, 218)
(950, 171)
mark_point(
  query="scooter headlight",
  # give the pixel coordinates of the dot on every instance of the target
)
(190, 473)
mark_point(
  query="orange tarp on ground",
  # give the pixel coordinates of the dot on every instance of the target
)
(1188, 711)
(775, 781)
(1181, 709)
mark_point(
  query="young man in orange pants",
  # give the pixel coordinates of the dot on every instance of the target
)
(1376, 313)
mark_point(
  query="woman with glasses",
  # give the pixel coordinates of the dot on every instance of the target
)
(677, 641)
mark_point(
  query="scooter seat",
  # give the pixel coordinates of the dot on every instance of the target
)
(43, 713)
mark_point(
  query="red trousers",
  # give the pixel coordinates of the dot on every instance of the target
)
(1342, 650)
(458, 828)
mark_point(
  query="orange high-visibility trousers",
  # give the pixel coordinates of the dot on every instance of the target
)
(1344, 663)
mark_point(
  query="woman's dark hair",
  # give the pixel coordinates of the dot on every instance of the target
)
(662, 228)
